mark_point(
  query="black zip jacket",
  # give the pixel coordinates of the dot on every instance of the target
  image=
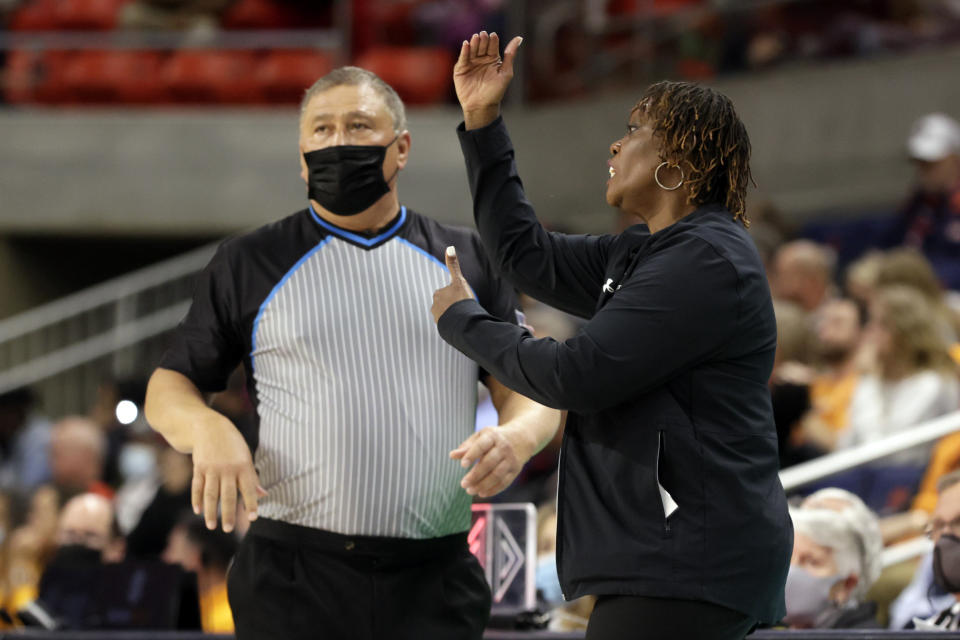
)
(666, 386)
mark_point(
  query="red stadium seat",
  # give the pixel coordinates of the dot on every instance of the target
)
(200, 76)
(421, 75)
(274, 14)
(284, 75)
(35, 15)
(694, 69)
(113, 76)
(51, 71)
(656, 8)
(383, 23)
(79, 15)
(21, 77)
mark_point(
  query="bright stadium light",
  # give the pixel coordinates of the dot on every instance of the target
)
(127, 412)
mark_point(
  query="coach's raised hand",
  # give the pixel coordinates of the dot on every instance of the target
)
(457, 290)
(481, 77)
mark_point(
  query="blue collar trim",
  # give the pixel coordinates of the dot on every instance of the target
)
(358, 239)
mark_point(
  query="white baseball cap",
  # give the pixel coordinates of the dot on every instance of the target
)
(934, 137)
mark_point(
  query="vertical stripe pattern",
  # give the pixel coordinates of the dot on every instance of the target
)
(360, 400)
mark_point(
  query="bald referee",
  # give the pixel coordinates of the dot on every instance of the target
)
(365, 416)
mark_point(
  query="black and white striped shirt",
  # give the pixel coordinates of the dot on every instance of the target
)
(359, 400)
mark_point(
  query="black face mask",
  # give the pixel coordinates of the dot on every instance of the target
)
(946, 563)
(73, 556)
(347, 179)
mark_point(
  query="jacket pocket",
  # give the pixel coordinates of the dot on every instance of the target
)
(667, 503)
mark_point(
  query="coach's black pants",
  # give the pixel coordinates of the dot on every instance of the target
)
(643, 618)
(299, 583)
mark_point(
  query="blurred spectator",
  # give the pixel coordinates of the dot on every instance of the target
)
(447, 22)
(29, 547)
(87, 532)
(77, 450)
(564, 616)
(118, 410)
(769, 230)
(83, 534)
(908, 267)
(944, 530)
(207, 554)
(803, 274)
(790, 380)
(911, 377)
(24, 442)
(930, 221)
(149, 537)
(861, 280)
(548, 584)
(141, 477)
(234, 402)
(850, 504)
(832, 567)
(838, 328)
(182, 15)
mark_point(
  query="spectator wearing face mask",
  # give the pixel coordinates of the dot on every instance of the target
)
(834, 563)
(86, 537)
(944, 530)
(87, 532)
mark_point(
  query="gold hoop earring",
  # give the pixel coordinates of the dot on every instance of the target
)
(656, 177)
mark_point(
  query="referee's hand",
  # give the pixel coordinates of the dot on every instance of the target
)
(222, 466)
(457, 290)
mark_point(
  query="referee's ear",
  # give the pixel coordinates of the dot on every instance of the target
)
(403, 149)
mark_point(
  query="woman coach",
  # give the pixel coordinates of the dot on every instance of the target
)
(670, 506)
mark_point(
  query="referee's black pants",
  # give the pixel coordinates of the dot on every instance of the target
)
(644, 618)
(299, 583)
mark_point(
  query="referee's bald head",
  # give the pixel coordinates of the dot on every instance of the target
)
(355, 76)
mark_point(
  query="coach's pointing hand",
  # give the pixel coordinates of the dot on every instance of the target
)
(481, 77)
(457, 290)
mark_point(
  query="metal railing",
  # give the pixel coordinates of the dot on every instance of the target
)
(833, 463)
(116, 329)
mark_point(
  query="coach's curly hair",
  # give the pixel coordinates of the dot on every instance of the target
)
(700, 130)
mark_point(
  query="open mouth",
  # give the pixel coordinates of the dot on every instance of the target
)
(612, 172)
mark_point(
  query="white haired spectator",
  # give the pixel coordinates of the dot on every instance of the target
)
(835, 561)
(864, 520)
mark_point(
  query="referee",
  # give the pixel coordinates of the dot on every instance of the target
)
(362, 512)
